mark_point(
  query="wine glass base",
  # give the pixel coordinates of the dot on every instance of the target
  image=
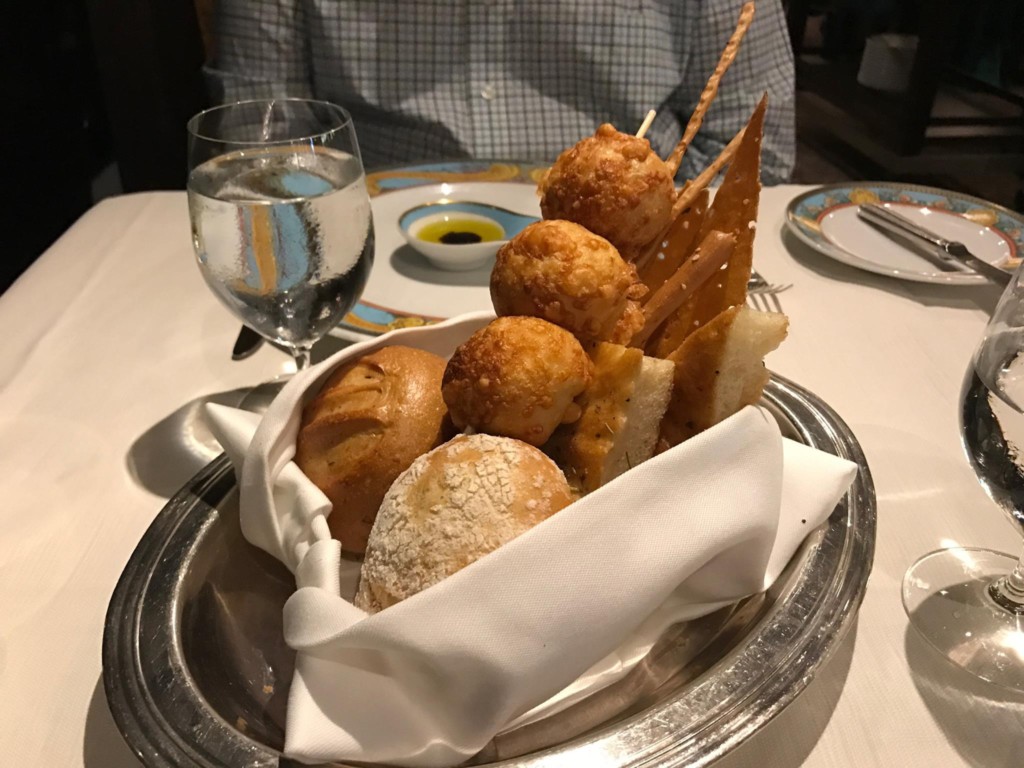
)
(946, 596)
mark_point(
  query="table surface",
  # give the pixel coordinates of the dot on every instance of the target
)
(112, 338)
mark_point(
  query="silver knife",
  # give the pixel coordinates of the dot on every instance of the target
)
(948, 252)
(246, 344)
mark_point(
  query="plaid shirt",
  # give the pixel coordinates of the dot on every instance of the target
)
(512, 79)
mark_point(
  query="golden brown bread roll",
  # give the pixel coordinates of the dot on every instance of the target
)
(517, 377)
(558, 271)
(373, 417)
(452, 507)
(613, 184)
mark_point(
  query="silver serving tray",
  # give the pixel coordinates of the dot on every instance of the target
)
(196, 672)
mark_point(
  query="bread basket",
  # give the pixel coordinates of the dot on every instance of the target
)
(196, 672)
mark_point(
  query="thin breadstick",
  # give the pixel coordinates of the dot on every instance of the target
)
(713, 252)
(646, 123)
(694, 186)
(711, 89)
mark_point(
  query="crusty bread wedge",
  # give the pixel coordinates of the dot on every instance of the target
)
(719, 369)
(621, 413)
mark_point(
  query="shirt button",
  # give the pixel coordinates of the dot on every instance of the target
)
(488, 92)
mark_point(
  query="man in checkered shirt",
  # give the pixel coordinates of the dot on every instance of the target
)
(512, 79)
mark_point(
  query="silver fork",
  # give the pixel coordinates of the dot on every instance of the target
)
(764, 296)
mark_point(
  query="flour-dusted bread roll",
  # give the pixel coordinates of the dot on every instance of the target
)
(372, 418)
(450, 508)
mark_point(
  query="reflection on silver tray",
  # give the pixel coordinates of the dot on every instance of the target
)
(196, 672)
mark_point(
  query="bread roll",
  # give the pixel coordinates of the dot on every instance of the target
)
(567, 275)
(372, 418)
(452, 507)
(516, 377)
(613, 184)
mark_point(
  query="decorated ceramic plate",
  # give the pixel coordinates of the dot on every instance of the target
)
(404, 288)
(826, 219)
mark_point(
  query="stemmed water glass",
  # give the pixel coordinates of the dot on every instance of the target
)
(966, 602)
(280, 215)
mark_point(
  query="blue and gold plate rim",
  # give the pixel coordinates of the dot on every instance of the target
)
(370, 318)
(805, 213)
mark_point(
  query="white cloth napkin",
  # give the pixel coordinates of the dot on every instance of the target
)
(558, 613)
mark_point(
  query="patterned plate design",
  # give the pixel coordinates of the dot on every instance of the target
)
(825, 218)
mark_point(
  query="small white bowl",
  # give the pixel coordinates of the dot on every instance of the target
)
(462, 256)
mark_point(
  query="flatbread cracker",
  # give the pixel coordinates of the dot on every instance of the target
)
(734, 210)
(681, 240)
(703, 267)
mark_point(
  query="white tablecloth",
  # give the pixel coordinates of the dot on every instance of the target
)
(113, 331)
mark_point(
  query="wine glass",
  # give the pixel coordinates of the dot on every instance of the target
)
(280, 215)
(966, 602)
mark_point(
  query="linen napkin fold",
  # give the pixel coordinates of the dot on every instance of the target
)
(550, 617)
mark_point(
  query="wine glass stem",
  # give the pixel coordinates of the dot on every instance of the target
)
(302, 357)
(1008, 591)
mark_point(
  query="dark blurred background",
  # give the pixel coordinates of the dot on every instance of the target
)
(55, 135)
(930, 91)
(96, 95)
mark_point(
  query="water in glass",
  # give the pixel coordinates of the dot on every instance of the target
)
(283, 236)
(968, 603)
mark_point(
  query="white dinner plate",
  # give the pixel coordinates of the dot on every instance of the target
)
(826, 219)
(404, 289)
